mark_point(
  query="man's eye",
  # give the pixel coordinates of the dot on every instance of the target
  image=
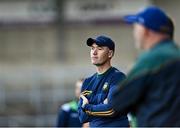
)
(92, 48)
(99, 48)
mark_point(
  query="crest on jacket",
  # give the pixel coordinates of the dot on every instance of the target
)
(105, 86)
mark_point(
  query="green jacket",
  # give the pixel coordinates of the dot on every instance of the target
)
(151, 90)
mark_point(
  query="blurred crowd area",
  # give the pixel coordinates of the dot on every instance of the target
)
(43, 51)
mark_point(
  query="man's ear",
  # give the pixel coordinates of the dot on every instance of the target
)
(110, 54)
(146, 32)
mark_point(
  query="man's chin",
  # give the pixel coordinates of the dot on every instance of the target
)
(97, 64)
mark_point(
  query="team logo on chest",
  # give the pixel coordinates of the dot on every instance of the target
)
(105, 86)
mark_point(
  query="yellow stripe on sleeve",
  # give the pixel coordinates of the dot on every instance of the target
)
(105, 113)
(86, 92)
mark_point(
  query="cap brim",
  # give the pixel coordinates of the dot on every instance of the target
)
(130, 19)
(90, 41)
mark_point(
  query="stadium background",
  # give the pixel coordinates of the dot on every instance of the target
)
(43, 51)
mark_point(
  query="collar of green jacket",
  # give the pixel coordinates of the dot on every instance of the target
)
(163, 53)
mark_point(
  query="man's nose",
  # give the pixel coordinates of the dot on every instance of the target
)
(95, 52)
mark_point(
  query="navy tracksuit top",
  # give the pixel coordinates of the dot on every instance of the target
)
(97, 89)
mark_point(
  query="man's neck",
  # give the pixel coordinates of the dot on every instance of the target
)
(154, 40)
(103, 68)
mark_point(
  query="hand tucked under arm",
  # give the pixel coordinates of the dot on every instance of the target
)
(85, 100)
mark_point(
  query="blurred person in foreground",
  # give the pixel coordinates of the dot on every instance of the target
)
(68, 114)
(151, 91)
(96, 93)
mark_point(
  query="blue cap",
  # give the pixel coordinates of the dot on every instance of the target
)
(102, 41)
(152, 18)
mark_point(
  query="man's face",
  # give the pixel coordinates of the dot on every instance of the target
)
(139, 35)
(100, 54)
